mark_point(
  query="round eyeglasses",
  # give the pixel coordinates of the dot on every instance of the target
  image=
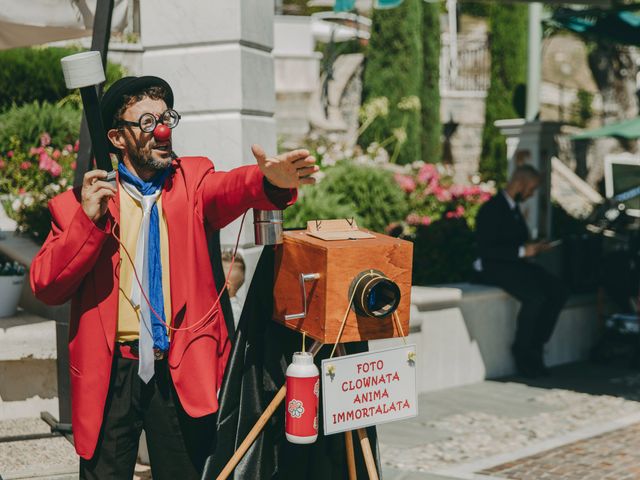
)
(148, 121)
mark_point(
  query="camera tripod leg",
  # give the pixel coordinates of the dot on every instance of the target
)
(367, 454)
(351, 459)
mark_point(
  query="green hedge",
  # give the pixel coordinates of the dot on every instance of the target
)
(443, 252)
(508, 46)
(28, 121)
(29, 74)
(393, 69)
(368, 194)
(431, 125)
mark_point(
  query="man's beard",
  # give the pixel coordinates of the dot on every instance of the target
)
(142, 157)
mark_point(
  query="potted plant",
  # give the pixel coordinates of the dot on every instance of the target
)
(11, 281)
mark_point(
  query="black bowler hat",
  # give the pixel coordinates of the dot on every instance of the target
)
(113, 98)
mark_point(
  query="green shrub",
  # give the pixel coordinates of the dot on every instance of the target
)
(393, 69)
(367, 193)
(508, 45)
(315, 204)
(443, 252)
(28, 74)
(28, 121)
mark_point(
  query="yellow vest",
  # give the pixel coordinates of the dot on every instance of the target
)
(130, 219)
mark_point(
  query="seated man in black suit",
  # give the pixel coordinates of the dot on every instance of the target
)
(505, 252)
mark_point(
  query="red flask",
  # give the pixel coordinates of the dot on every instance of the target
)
(303, 393)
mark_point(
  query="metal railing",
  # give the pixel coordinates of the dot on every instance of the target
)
(468, 69)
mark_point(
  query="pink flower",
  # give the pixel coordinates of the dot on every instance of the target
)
(21, 190)
(414, 219)
(427, 173)
(457, 213)
(73, 165)
(45, 139)
(426, 220)
(56, 154)
(406, 182)
(457, 190)
(10, 154)
(55, 169)
(68, 147)
(2, 164)
(45, 161)
(25, 166)
(76, 146)
(442, 194)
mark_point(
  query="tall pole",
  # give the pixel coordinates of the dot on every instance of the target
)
(534, 59)
(100, 42)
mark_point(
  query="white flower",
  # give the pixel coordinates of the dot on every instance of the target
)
(28, 200)
(373, 147)
(409, 103)
(376, 107)
(400, 134)
(16, 205)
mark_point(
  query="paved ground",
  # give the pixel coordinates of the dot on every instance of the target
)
(461, 432)
(581, 423)
(611, 456)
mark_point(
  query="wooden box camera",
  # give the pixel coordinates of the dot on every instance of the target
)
(315, 279)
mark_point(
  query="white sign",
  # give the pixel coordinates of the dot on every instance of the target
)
(369, 388)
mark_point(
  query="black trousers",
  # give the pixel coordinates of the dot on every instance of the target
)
(542, 296)
(178, 444)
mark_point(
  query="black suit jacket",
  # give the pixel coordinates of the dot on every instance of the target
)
(500, 231)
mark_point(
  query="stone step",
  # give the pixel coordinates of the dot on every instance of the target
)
(27, 366)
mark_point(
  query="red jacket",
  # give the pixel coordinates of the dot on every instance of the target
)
(79, 261)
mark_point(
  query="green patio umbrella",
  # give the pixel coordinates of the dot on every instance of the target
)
(627, 129)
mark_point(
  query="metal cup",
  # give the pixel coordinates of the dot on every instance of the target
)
(267, 226)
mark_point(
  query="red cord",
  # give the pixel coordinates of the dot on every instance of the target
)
(206, 315)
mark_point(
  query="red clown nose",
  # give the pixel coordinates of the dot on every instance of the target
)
(162, 133)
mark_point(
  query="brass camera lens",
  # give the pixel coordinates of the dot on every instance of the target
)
(376, 295)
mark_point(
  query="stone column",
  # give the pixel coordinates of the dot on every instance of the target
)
(216, 55)
(533, 143)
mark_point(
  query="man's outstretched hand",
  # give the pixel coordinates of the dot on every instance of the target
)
(288, 170)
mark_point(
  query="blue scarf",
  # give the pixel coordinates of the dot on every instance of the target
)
(156, 297)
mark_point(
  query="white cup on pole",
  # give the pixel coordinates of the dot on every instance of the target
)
(82, 70)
